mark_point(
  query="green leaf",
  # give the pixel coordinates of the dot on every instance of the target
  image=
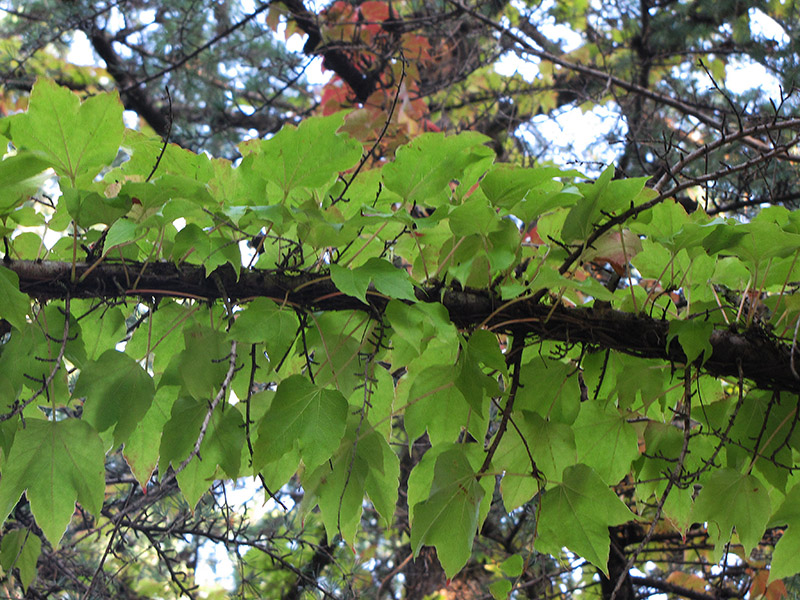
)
(221, 446)
(448, 519)
(363, 465)
(22, 175)
(21, 549)
(303, 414)
(605, 441)
(422, 171)
(474, 216)
(434, 403)
(141, 447)
(118, 393)
(551, 446)
(694, 336)
(730, 499)
(265, 321)
(500, 589)
(386, 278)
(786, 556)
(57, 463)
(14, 305)
(308, 156)
(577, 514)
(506, 186)
(121, 232)
(202, 364)
(90, 208)
(76, 138)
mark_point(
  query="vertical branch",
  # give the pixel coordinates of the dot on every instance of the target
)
(514, 359)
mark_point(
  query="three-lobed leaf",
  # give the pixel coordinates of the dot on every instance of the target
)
(57, 463)
(577, 514)
(76, 138)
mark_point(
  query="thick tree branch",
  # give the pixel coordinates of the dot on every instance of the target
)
(764, 359)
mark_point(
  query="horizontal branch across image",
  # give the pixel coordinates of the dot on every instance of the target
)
(752, 354)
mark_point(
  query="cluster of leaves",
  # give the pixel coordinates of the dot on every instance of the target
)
(376, 339)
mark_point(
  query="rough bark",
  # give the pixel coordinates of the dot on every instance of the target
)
(754, 353)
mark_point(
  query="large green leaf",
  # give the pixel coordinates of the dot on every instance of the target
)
(57, 463)
(549, 444)
(786, 556)
(364, 464)
(77, 139)
(221, 446)
(386, 278)
(448, 519)
(731, 499)
(308, 156)
(423, 169)
(301, 413)
(577, 514)
(118, 393)
(605, 441)
(22, 176)
(265, 322)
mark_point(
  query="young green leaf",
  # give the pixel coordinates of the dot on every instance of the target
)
(694, 337)
(308, 156)
(424, 168)
(605, 441)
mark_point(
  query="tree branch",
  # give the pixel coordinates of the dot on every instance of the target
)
(765, 360)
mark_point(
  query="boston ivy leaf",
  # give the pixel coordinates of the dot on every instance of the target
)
(577, 514)
(605, 441)
(308, 156)
(386, 278)
(551, 446)
(694, 336)
(264, 321)
(90, 208)
(121, 232)
(118, 393)
(20, 549)
(786, 556)
(423, 169)
(221, 446)
(22, 176)
(301, 413)
(351, 282)
(505, 186)
(202, 365)
(76, 138)
(435, 403)
(141, 447)
(339, 486)
(14, 305)
(448, 519)
(57, 462)
(731, 499)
